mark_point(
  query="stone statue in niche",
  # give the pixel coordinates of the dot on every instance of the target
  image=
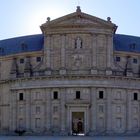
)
(78, 43)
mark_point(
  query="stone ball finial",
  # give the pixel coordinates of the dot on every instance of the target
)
(109, 19)
(48, 18)
(78, 9)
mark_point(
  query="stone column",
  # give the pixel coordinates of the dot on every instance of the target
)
(94, 54)
(93, 112)
(63, 42)
(48, 110)
(129, 112)
(28, 110)
(109, 111)
(63, 112)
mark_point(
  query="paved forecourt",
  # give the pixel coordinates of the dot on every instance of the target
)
(68, 138)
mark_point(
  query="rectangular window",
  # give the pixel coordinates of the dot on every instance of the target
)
(77, 94)
(135, 96)
(21, 123)
(135, 110)
(37, 122)
(118, 109)
(38, 95)
(21, 96)
(118, 122)
(135, 61)
(118, 95)
(101, 94)
(21, 61)
(37, 109)
(118, 59)
(55, 109)
(55, 95)
(101, 122)
(21, 110)
(101, 108)
(38, 59)
(135, 123)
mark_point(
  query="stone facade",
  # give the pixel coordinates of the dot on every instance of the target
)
(74, 85)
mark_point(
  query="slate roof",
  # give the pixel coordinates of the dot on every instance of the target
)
(126, 43)
(35, 43)
(21, 44)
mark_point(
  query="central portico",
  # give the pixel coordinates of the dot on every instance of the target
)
(77, 44)
(78, 118)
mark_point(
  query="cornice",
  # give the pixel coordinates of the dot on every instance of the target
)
(126, 53)
(71, 77)
(31, 54)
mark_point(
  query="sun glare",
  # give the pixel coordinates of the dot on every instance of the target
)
(35, 20)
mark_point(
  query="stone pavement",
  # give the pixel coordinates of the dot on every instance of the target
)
(69, 138)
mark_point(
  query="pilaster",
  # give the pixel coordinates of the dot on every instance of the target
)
(94, 53)
(93, 124)
(63, 42)
(28, 110)
(109, 54)
(129, 112)
(12, 128)
(47, 51)
(48, 110)
(14, 111)
(109, 111)
(63, 112)
(63, 38)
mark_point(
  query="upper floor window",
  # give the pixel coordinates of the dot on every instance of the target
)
(118, 95)
(38, 59)
(101, 94)
(132, 47)
(118, 59)
(21, 61)
(37, 95)
(135, 60)
(55, 109)
(77, 94)
(24, 46)
(1, 50)
(21, 96)
(55, 95)
(135, 96)
(37, 109)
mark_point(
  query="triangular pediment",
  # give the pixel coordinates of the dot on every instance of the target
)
(78, 19)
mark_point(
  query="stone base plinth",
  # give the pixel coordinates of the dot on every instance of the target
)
(48, 72)
(62, 71)
(94, 71)
(129, 74)
(108, 72)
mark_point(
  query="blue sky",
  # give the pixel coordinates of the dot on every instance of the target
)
(24, 17)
